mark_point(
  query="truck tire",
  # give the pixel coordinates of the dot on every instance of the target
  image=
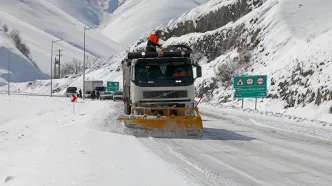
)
(127, 109)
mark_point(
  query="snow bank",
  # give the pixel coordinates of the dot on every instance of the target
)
(300, 122)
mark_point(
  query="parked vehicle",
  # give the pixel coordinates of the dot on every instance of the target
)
(90, 86)
(70, 91)
(106, 95)
(118, 95)
(99, 90)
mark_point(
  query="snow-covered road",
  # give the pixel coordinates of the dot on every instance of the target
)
(238, 152)
(43, 143)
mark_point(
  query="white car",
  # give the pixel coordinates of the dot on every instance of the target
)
(106, 95)
(118, 95)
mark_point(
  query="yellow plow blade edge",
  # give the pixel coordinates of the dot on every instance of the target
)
(186, 123)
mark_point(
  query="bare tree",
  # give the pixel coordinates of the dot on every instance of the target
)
(5, 28)
(76, 66)
(15, 35)
(90, 61)
(64, 70)
(73, 67)
(24, 49)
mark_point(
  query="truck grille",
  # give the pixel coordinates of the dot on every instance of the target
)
(165, 94)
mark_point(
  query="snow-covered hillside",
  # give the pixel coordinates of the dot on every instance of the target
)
(135, 17)
(286, 40)
(21, 68)
(90, 12)
(41, 21)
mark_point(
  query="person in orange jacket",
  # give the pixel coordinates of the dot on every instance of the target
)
(153, 42)
(179, 73)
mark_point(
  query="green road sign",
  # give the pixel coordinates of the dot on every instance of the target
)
(112, 86)
(250, 86)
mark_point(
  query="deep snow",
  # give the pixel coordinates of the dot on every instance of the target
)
(42, 142)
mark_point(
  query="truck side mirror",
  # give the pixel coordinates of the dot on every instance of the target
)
(198, 71)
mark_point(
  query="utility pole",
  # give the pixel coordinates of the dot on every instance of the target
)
(53, 41)
(57, 62)
(54, 73)
(8, 62)
(83, 92)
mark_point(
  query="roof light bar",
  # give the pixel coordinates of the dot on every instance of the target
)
(137, 55)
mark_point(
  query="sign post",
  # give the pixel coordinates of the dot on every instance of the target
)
(73, 100)
(112, 86)
(250, 87)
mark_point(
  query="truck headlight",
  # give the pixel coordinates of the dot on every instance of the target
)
(190, 105)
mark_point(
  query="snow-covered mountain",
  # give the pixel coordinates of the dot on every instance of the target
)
(40, 21)
(90, 12)
(136, 17)
(21, 68)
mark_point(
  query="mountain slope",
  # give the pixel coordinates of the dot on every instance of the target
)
(286, 40)
(87, 11)
(136, 17)
(20, 67)
(40, 21)
(90, 12)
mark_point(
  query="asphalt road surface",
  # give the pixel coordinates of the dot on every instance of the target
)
(234, 151)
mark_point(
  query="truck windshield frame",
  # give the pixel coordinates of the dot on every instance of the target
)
(162, 72)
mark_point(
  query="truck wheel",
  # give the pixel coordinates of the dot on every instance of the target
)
(127, 109)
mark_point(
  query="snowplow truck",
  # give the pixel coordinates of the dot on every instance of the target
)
(159, 96)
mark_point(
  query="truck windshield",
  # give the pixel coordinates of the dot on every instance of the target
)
(175, 73)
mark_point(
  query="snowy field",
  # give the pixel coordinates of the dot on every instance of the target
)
(42, 142)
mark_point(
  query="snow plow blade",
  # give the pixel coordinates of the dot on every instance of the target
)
(168, 123)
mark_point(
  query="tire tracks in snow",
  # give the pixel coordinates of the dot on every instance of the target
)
(234, 151)
(191, 168)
